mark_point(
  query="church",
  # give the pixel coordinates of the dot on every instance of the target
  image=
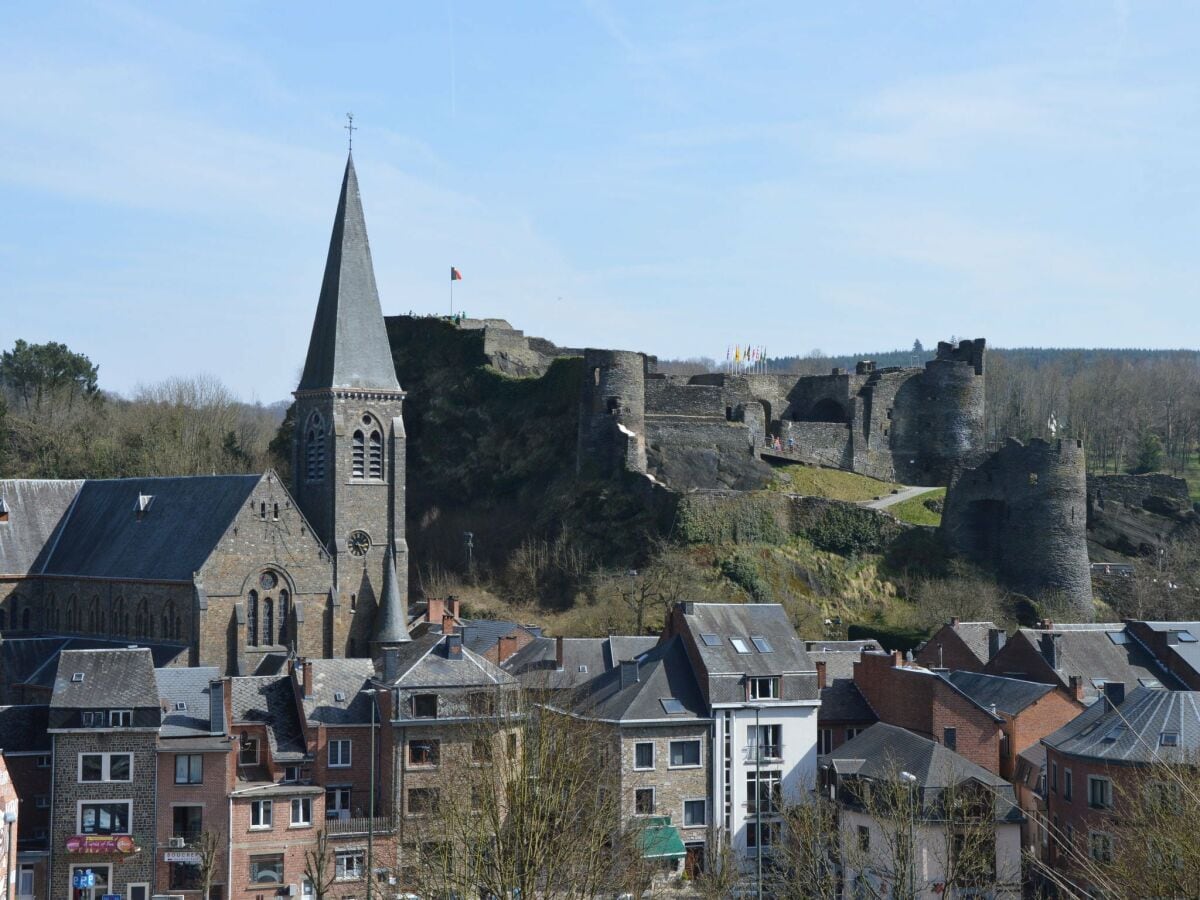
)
(235, 571)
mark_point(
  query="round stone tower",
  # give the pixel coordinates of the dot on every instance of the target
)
(1023, 512)
(950, 432)
(612, 414)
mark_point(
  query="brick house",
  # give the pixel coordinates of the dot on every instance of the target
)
(843, 713)
(103, 720)
(922, 701)
(26, 748)
(1100, 758)
(1176, 645)
(961, 646)
(10, 834)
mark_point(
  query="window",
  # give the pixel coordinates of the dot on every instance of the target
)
(25, 881)
(1068, 784)
(767, 741)
(185, 876)
(248, 753)
(422, 801)
(852, 733)
(950, 738)
(424, 752)
(695, 813)
(1099, 792)
(824, 741)
(739, 645)
(1169, 739)
(424, 706)
(260, 814)
(337, 802)
(42, 801)
(93, 718)
(301, 811)
(1100, 846)
(864, 838)
(339, 754)
(481, 750)
(671, 706)
(760, 644)
(291, 774)
(284, 601)
(266, 869)
(358, 453)
(711, 640)
(43, 761)
(187, 822)
(769, 793)
(252, 619)
(314, 448)
(685, 754)
(643, 801)
(643, 755)
(375, 458)
(763, 688)
(1054, 777)
(120, 718)
(109, 817)
(481, 703)
(189, 768)
(105, 767)
(349, 864)
(770, 834)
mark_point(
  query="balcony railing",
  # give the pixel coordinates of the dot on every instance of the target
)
(764, 753)
(360, 825)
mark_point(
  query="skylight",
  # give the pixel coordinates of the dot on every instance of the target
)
(1113, 733)
(339, 696)
(1150, 682)
(711, 640)
(671, 706)
(739, 645)
(1186, 637)
(583, 669)
(1118, 637)
(77, 677)
(1169, 739)
(761, 644)
(180, 706)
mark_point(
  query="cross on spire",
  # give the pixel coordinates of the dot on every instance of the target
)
(349, 126)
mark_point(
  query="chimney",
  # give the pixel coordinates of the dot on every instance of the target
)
(1114, 692)
(454, 646)
(629, 672)
(689, 607)
(216, 707)
(821, 674)
(1049, 647)
(897, 658)
(997, 637)
(455, 606)
(506, 647)
(436, 607)
(447, 624)
(558, 653)
(1077, 687)
(306, 674)
(954, 620)
(1046, 625)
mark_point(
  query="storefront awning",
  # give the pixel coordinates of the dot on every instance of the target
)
(661, 840)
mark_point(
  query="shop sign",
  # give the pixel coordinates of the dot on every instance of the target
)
(182, 856)
(100, 843)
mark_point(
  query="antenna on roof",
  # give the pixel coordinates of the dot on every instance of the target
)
(349, 126)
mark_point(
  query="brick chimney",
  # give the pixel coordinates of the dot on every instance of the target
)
(1077, 687)
(996, 640)
(821, 674)
(629, 672)
(455, 606)
(954, 620)
(437, 608)
(506, 647)
(447, 624)
(558, 653)
(897, 658)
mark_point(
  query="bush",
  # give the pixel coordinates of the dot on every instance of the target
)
(848, 531)
(743, 570)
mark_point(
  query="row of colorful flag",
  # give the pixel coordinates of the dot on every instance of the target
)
(746, 358)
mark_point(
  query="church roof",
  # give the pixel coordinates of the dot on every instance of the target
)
(349, 346)
(35, 506)
(391, 621)
(103, 536)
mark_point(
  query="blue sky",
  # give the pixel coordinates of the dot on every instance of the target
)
(669, 177)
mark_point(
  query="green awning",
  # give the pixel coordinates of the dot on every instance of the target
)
(661, 840)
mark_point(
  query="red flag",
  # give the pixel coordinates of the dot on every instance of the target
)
(455, 275)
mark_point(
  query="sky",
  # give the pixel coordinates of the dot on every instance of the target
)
(671, 177)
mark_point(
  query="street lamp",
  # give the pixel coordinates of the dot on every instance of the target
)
(373, 692)
(911, 780)
(758, 837)
(10, 819)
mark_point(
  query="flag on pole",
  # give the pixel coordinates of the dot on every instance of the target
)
(455, 275)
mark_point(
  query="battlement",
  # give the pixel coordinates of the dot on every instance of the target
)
(970, 352)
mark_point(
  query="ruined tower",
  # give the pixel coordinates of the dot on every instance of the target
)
(1023, 513)
(348, 450)
(612, 416)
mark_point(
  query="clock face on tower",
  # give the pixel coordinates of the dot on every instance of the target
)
(358, 543)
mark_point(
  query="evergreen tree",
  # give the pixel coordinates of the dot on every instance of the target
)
(1147, 453)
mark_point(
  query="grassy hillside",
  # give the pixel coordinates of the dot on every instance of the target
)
(813, 481)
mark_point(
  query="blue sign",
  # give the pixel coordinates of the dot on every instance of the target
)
(84, 879)
(110, 897)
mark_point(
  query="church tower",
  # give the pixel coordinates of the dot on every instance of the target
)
(349, 444)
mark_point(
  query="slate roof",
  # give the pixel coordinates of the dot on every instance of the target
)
(975, 636)
(111, 679)
(664, 673)
(34, 660)
(23, 729)
(1131, 733)
(190, 687)
(391, 620)
(854, 647)
(424, 663)
(534, 664)
(269, 700)
(481, 635)
(103, 537)
(349, 346)
(882, 751)
(746, 620)
(36, 506)
(1187, 651)
(1089, 652)
(840, 698)
(1009, 695)
(348, 677)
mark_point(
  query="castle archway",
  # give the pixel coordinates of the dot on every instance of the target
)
(826, 410)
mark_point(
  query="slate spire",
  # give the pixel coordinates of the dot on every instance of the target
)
(349, 346)
(391, 618)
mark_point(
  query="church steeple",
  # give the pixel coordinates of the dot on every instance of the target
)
(349, 346)
(391, 619)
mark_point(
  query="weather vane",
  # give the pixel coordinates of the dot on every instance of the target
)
(349, 126)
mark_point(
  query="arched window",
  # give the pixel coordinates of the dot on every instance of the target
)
(116, 617)
(358, 455)
(93, 617)
(314, 448)
(72, 614)
(178, 626)
(375, 458)
(52, 608)
(284, 610)
(252, 619)
(268, 621)
(24, 618)
(166, 626)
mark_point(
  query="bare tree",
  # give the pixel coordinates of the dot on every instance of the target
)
(208, 846)
(319, 867)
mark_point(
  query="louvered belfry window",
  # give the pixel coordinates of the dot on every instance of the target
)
(314, 448)
(358, 456)
(252, 619)
(376, 456)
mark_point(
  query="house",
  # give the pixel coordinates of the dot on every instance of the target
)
(10, 838)
(909, 809)
(1096, 654)
(925, 703)
(759, 687)
(962, 646)
(26, 748)
(1103, 759)
(844, 712)
(1176, 645)
(1028, 710)
(548, 665)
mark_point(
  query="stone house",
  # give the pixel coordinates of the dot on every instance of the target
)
(103, 721)
(961, 646)
(844, 712)
(26, 749)
(923, 702)
(887, 758)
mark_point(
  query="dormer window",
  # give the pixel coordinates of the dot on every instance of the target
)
(120, 718)
(764, 688)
